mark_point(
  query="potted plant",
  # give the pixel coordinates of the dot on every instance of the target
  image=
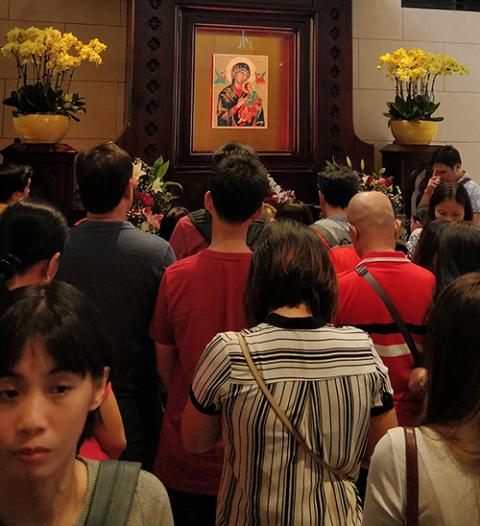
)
(46, 60)
(415, 72)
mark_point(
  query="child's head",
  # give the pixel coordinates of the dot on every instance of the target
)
(54, 361)
(31, 232)
(248, 87)
(14, 182)
(450, 202)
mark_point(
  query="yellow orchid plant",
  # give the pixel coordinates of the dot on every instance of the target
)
(415, 72)
(46, 60)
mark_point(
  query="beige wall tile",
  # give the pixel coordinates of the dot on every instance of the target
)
(370, 50)
(369, 123)
(355, 73)
(468, 55)
(4, 8)
(439, 25)
(124, 13)
(469, 153)
(121, 120)
(377, 19)
(113, 67)
(99, 121)
(82, 145)
(462, 117)
(76, 11)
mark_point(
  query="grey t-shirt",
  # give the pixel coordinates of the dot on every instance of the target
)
(120, 268)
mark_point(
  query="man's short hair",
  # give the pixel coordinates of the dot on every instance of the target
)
(13, 178)
(447, 155)
(238, 148)
(238, 184)
(338, 186)
(102, 175)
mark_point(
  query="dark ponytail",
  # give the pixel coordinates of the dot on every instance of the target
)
(30, 231)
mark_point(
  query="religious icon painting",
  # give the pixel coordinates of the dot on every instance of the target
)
(240, 91)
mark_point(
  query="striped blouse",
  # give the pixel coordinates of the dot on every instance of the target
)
(328, 381)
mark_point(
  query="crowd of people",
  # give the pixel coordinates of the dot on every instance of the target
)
(249, 369)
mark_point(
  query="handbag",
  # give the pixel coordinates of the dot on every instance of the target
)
(281, 414)
(411, 462)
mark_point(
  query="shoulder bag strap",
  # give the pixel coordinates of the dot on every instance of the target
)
(279, 412)
(411, 462)
(202, 220)
(364, 273)
(113, 494)
(463, 182)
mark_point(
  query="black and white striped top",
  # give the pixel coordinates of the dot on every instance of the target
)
(328, 381)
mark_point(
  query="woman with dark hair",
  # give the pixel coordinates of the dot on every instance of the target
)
(329, 382)
(458, 253)
(54, 364)
(426, 251)
(32, 236)
(448, 449)
(451, 203)
(294, 210)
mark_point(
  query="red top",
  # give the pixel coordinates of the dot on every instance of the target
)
(344, 258)
(410, 288)
(186, 240)
(199, 297)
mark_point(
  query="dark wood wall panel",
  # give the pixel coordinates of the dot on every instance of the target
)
(160, 78)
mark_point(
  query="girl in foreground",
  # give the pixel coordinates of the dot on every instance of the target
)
(54, 364)
(329, 381)
(448, 442)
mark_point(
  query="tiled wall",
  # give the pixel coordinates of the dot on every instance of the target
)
(102, 87)
(380, 26)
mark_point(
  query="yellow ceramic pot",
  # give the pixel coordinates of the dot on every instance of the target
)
(41, 128)
(413, 132)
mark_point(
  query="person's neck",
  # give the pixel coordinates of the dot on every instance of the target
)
(376, 246)
(333, 212)
(51, 502)
(298, 311)
(227, 237)
(117, 214)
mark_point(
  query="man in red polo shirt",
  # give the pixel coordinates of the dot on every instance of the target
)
(199, 297)
(373, 230)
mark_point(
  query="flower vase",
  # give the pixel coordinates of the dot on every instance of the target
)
(41, 128)
(413, 132)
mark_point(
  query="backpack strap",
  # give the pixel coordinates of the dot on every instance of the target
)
(203, 222)
(364, 273)
(463, 182)
(113, 493)
(411, 463)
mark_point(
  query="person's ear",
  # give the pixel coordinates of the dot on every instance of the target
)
(257, 214)
(458, 169)
(321, 200)
(99, 392)
(397, 225)
(208, 202)
(51, 268)
(354, 233)
(130, 188)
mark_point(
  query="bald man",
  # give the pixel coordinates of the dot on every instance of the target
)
(373, 229)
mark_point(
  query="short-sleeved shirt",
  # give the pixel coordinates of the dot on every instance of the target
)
(199, 296)
(410, 289)
(473, 191)
(329, 381)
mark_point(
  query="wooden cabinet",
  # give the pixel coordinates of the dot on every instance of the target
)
(404, 163)
(53, 172)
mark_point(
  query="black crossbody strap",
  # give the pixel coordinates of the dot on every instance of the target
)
(113, 494)
(364, 273)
